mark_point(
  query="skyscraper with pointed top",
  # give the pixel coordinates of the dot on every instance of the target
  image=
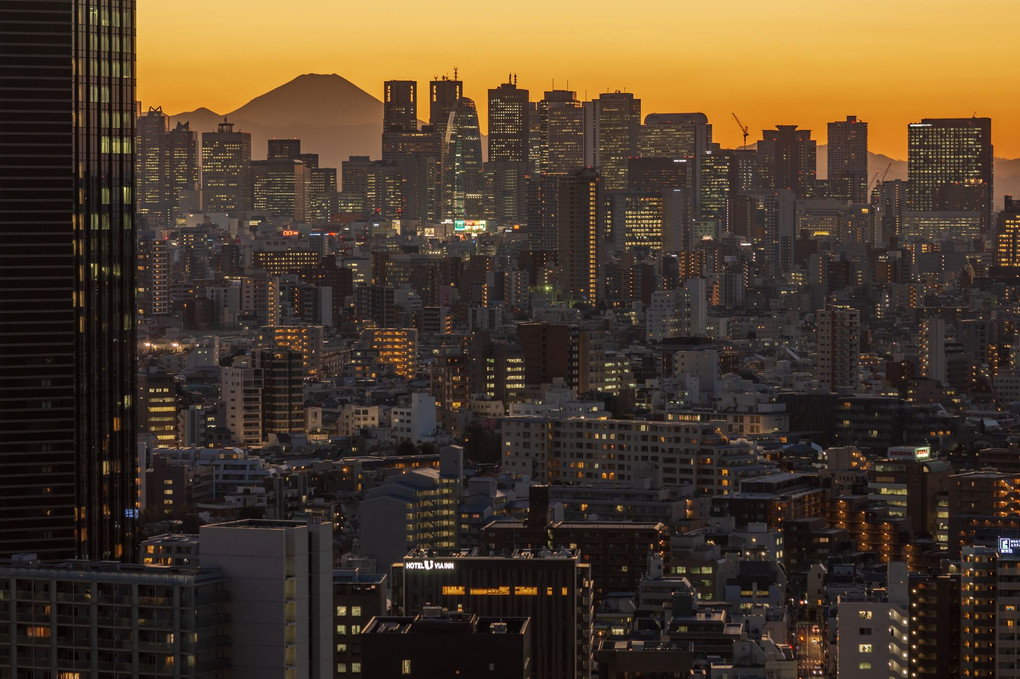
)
(462, 163)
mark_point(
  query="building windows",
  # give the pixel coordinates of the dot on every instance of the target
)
(405, 667)
(864, 648)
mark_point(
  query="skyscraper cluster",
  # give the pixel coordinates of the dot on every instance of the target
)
(598, 398)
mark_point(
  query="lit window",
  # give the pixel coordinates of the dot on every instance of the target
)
(864, 648)
(405, 667)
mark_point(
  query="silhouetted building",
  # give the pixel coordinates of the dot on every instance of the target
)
(847, 148)
(283, 149)
(676, 136)
(787, 160)
(166, 167)
(420, 646)
(226, 170)
(280, 187)
(891, 199)
(553, 589)
(508, 123)
(443, 97)
(579, 227)
(561, 133)
(400, 106)
(617, 120)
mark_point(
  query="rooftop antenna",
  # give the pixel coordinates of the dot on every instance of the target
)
(454, 74)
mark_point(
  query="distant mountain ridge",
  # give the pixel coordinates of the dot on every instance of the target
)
(337, 119)
(329, 114)
(1006, 172)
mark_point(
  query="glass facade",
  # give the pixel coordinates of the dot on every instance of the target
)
(462, 163)
(67, 372)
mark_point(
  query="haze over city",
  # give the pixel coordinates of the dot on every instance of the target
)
(789, 61)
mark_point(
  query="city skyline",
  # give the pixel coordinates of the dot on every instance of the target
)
(742, 68)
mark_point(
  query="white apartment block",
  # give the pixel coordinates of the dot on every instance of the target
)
(584, 450)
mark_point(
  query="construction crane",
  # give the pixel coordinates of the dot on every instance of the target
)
(875, 181)
(743, 129)
(872, 184)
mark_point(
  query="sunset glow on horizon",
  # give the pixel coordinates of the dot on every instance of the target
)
(789, 62)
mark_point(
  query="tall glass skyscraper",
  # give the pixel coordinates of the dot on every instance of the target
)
(67, 359)
(462, 163)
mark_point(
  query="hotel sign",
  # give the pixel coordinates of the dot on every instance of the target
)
(428, 565)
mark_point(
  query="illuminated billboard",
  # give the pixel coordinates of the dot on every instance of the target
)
(910, 452)
(470, 225)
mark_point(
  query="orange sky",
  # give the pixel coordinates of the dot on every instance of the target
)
(890, 62)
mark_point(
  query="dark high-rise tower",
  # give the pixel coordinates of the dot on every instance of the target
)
(507, 168)
(283, 149)
(848, 158)
(415, 153)
(180, 169)
(949, 165)
(152, 129)
(508, 123)
(226, 170)
(166, 167)
(561, 133)
(579, 225)
(678, 135)
(67, 360)
(400, 106)
(787, 158)
(443, 97)
(617, 120)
